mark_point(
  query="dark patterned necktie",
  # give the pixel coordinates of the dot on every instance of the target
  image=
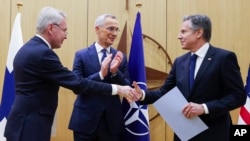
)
(104, 54)
(191, 70)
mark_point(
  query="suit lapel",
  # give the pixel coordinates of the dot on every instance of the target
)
(113, 51)
(185, 73)
(93, 56)
(209, 58)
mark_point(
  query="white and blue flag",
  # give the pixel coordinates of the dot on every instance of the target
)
(136, 115)
(8, 93)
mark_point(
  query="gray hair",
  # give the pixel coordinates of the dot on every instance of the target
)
(199, 21)
(48, 15)
(100, 20)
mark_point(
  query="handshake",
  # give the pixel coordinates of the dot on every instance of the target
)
(131, 94)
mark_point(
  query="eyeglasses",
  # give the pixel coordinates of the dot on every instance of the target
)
(63, 30)
(112, 29)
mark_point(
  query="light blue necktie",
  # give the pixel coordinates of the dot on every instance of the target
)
(191, 70)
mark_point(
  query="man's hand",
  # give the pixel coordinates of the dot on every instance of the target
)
(193, 109)
(115, 63)
(137, 92)
(105, 65)
(126, 92)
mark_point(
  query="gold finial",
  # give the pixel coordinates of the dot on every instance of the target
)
(19, 4)
(138, 4)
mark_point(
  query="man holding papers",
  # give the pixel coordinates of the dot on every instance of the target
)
(213, 89)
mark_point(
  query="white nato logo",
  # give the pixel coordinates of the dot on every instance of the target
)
(137, 114)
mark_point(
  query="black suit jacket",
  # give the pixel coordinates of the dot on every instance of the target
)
(90, 106)
(38, 74)
(218, 84)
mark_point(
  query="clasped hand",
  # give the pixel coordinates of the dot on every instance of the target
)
(112, 65)
(131, 94)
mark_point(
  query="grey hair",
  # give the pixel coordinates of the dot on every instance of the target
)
(100, 20)
(199, 21)
(48, 15)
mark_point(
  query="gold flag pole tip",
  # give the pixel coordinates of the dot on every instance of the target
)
(19, 4)
(138, 5)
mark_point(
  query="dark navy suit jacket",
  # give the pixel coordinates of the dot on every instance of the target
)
(90, 106)
(218, 84)
(38, 75)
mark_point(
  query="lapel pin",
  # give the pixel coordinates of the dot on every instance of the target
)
(209, 59)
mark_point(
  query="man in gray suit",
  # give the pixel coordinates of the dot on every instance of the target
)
(38, 76)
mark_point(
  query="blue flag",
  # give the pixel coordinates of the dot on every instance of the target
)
(136, 115)
(8, 93)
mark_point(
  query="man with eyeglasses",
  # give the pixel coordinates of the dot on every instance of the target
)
(39, 74)
(62, 29)
(97, 117)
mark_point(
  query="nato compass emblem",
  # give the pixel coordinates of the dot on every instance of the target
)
(136, 118)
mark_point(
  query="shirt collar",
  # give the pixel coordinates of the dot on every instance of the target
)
(99, 48)
(39, 36)
(201, 52)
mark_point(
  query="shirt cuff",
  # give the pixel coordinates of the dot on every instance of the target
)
(205, 108)
(143, 95)
(100, 74)
(114, 89)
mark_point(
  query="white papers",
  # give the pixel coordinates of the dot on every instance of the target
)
(170, 108)
(2, 128)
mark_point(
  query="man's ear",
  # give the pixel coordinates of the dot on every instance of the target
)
(199, 32)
